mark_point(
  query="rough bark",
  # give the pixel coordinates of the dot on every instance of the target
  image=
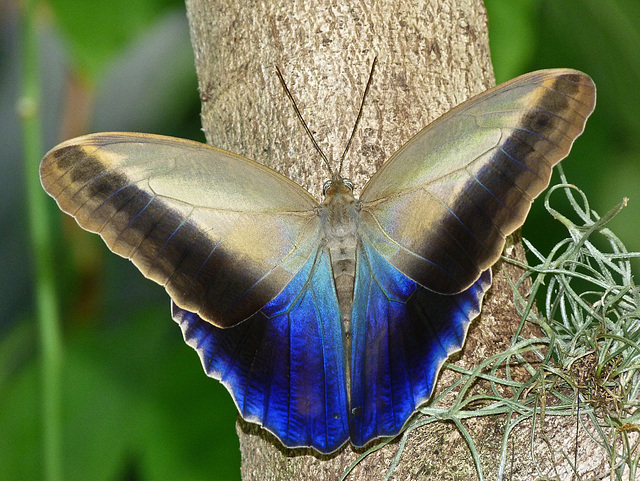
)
(432, 55)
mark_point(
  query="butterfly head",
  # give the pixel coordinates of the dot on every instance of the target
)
(337, 187)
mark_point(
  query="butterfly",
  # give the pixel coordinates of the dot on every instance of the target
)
(328, 321)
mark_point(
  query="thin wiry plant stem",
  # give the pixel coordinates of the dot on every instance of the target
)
(597, 321)
(45, 295)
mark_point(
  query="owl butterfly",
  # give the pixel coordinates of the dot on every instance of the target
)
(328, 322)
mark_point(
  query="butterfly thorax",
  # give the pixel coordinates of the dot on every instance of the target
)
(340, 228)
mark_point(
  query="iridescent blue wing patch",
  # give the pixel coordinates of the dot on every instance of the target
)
(284, 366)
(402, 334)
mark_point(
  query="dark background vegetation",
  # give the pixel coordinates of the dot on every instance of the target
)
(136, 404)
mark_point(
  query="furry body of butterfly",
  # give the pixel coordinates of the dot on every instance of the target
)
(340, 220)
(328, 322)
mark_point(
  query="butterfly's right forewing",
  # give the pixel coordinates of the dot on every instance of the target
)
(440, 208)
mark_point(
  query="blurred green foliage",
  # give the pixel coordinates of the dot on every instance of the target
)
(94, 34)
(136, 404)
(603, 40)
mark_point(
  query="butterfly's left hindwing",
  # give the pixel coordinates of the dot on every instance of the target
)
(284, 366)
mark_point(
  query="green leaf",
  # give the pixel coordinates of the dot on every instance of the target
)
(97, 30)
(513, 28)
(135, 402)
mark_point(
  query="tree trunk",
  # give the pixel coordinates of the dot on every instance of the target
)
(432, 55)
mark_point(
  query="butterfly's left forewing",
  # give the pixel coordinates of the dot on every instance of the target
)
(222, 233)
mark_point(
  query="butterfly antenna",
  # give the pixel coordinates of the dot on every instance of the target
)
(304, 124)
(355, 125)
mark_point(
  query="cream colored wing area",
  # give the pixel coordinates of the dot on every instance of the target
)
(222, 233)
(440, 208)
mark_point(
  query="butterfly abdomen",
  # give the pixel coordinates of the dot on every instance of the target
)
(340, 227)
